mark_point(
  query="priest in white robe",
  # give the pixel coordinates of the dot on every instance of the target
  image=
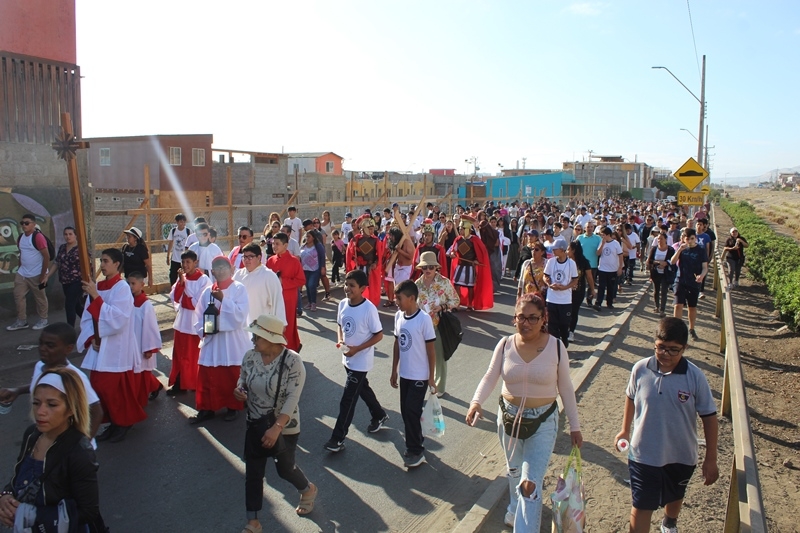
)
(264, 290)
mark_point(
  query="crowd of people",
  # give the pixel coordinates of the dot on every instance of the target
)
(237, 344)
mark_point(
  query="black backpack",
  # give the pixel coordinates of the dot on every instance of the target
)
(50, 248)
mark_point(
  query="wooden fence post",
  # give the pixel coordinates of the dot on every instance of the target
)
(147, 224)
(229, 176)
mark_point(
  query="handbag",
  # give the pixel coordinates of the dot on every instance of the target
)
(257, 428)
(523, 427)
(59, 518)
(450, 332)
(569, 498)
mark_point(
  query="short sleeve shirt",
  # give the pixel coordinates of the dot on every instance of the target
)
(359, 323)
(178, 238)
(561, 274)
(666, 407)
(691, 264)
(609, 259)
(412, 334)
(296, 225)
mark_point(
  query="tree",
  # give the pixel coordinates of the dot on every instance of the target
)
(668, 186)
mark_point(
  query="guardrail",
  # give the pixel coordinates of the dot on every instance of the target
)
(745, 509)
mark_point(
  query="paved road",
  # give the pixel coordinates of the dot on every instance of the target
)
(170, 476)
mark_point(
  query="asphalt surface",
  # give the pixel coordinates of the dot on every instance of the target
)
(170, 476)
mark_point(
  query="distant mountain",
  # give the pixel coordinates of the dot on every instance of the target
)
(772, 174)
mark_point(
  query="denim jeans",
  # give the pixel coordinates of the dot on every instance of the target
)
(527, 460)
(312, 282)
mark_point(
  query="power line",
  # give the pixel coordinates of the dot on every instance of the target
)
(691, 25)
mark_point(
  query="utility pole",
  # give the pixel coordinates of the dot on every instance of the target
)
(700, 159)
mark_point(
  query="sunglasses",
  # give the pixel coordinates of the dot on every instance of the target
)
(26, 223)
(430, 267)
(243, 236)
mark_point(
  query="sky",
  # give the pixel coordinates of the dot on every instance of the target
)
(415, 85)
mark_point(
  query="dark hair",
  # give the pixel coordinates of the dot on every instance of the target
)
(202, 226)
(212, 231)
(672, 329)
(189, 254)
(135, 275)
(252, 247)
(689, 232)
(281, 236)
(63, 331)
(245, 228)
(292, 208)
(71, 229)
(179, 217)
(606, 231)
(197, 220)
(396, 234)
(29, 217)
(307, 222)
(577, 252)
(114, 254)
(407, 288)
(537, 300)
(704, 221)
(359, 276)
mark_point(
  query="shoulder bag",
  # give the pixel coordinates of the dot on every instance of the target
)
(450, 332)
(522, 427)
(257, 428)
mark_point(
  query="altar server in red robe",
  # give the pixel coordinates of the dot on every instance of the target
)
(470, 271)
(108, 337)
(364, 252)
(221, 353)
(290, 271)
(185, 297)
(147, 337)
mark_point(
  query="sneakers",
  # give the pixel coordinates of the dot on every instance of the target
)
(413, 460)
(334, 446)
(376, 425)
(702, 296)
(509, 519)
(665, 529)
(735, 284)
(19, 324)
(694, 335)
(327, 297)
(597, 307)
(41, 324)
(662, 314)
(571, 336)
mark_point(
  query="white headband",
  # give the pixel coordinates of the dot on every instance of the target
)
(52, 379)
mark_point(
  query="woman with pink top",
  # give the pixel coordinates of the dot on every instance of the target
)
(534, 367)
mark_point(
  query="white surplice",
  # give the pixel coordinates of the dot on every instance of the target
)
(226, 348)
(264, 292)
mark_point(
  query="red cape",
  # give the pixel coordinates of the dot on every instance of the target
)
(484, 295)
(373, 292)
(441, 256)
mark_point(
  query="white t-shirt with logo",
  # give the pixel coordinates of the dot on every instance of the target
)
(413, 333)
(561, 274)
(359, 323)
(178, 237)
(296, 225)
(634, 240)
(609, 259)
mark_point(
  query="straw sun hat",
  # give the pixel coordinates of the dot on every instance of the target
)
(268, 327)
(428, 259)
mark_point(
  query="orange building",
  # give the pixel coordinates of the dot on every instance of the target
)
(319, 162)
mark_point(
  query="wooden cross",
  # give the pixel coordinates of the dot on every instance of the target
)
(67, 146)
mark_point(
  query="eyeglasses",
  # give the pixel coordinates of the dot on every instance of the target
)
(248, 256)
(428, 267)
(204, 234)
(243, 236)
(672, 350)
(26, 223)
(533, 319)
(218, 268)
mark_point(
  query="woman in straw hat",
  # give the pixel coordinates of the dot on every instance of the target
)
(436, 293)
(271, 380)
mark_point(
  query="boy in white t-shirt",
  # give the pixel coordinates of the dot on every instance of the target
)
(413, 360)
(359, 331)
(56, 342)
(177, 245)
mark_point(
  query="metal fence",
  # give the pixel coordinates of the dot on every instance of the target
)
(745, 510)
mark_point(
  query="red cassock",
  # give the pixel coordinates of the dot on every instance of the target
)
(441, 256)
(361, 252)
(484, 296)
(290, 272)
(186, 344)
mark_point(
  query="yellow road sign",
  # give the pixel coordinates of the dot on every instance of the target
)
(690, 198)
(705, 189)
(691, 174)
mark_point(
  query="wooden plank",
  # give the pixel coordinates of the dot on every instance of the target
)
(4, 96)
(147, 225)
(76, 80)
(30, 103)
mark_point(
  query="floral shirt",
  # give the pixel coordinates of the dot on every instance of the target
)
(261, 383)
(533, 278)
(69, 265)
(441, 292)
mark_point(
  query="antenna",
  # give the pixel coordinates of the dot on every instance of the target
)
(523, 162)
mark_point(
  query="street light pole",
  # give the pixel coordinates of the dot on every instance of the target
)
(702, 101)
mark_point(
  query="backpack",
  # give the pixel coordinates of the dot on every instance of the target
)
(50, 248)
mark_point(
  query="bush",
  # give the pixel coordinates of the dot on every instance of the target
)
(773, 259)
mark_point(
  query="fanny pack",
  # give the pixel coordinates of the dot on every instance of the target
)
(523, 428)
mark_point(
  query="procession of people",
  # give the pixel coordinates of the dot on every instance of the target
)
(238, 347)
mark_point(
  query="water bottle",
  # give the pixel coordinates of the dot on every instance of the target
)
(623, 445)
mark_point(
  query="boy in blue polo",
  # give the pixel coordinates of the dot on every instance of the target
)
(665, 394)
(413, 360)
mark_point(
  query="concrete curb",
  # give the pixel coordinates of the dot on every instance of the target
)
(473, 521)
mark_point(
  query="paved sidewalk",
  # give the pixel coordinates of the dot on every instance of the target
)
(600, 403)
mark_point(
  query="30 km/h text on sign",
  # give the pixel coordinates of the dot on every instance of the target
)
(691, 174)
(690, 198)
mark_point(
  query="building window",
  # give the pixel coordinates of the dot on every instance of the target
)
(175, 156)
(296, 167)
(329, 167)
(105, 157)
(198, 157)
(312, 197)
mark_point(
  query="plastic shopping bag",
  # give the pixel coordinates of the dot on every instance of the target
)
(432, 419)
(569, 502)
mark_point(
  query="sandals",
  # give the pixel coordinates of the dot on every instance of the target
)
(252, 529)
(307, 499)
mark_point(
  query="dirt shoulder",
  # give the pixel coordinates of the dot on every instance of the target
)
(771, 364)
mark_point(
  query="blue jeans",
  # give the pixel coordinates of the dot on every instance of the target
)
(312, 282)
(527, 460)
